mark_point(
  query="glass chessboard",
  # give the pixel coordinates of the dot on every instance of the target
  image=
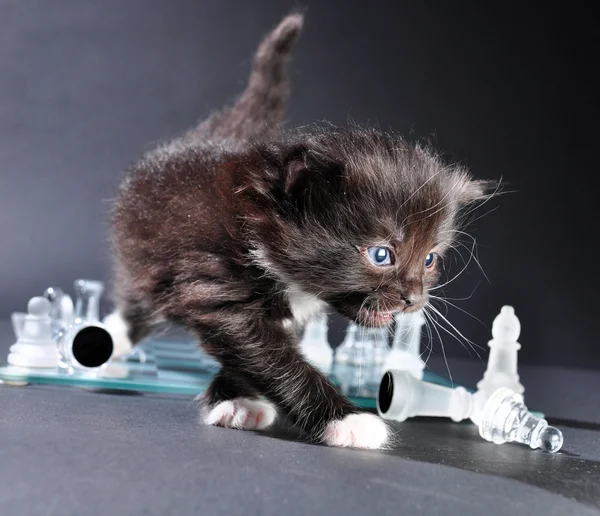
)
(174, 364)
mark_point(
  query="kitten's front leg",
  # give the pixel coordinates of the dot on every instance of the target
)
(266, 356)
(230, 401)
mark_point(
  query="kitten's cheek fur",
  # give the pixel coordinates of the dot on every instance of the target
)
(357, 431)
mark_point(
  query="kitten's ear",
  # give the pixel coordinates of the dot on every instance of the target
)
(303, 169)
(472, 191)
(295, 169)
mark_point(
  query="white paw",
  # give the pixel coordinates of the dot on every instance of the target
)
(242, 413)
(118, 329)
(357, 431)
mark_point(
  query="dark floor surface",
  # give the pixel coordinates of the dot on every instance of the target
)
(67, 451)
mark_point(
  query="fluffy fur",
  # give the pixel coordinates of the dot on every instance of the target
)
(240, 231)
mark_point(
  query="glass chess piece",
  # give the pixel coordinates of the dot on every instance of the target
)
(401, 396)
(62, 312)
(379, 344)
(363, 346)
(500, 418)
(405, 354)
(314, 342)
(18, 321)
(34, 347)
(501, 369)
(505, 418)
(345, 351)
(85, 344)
(354, 381)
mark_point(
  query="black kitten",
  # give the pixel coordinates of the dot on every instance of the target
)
(241, 232)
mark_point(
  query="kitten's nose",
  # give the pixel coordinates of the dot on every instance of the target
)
(410, 300)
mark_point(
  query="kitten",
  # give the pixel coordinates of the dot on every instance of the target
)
(241, 231)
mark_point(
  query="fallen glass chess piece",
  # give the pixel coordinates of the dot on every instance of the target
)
(497, 407)
(503, 417)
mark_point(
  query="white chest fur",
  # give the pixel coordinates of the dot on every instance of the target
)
(304, 305)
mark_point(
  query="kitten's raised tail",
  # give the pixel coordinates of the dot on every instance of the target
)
(260, 110)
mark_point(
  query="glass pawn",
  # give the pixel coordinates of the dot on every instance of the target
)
(34, 347)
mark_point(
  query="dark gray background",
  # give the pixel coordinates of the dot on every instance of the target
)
(85, 87)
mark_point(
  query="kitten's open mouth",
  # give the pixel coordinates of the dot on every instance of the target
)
(375, 317)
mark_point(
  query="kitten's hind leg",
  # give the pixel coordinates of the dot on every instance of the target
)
(132, 321)
(230, 401)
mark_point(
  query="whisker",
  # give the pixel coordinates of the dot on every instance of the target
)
(494, 194)
(429, 336)
(458, 333)
(456, 276)
(443, 352)
(436, 298)
(472, 251)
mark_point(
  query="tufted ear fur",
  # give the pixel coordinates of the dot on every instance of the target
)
(472, 191)
(303, 168)
(295, 168)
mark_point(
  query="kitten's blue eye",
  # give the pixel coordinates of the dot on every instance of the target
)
(380, 255)
(429, 260)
